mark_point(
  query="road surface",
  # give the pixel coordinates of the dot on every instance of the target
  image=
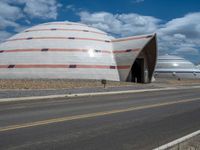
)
(113, 122)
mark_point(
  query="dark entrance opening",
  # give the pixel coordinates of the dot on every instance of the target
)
(137, 71)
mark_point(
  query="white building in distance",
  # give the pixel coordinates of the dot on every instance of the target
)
(170, 66)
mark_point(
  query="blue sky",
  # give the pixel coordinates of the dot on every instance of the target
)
(176, 22)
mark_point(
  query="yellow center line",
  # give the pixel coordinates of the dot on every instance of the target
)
(89, 115)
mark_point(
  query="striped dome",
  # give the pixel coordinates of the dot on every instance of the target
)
(175, 66)
(173, 62)
(67, 50)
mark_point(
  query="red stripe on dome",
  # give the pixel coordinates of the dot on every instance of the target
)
(52, 50)
(59, 29)
(4, 66)
(106, 51)
(62, 23)
(132, 38)
(55, 38)
(68, 50)
(42, 66)
(123, 67)
(126, 51)
(49, 49)
(21, 50)
(79, 38)
(93, 66)
(64, 66)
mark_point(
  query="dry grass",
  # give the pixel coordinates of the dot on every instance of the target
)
(55, 84)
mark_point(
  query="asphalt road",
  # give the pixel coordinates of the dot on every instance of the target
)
(115, 122)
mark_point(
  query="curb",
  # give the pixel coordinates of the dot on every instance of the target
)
(178, 141)
(91, 94)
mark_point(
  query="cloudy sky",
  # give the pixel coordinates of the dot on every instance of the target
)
(176, 22)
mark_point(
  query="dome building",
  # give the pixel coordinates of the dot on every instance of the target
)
(67, 50)
(170, 66)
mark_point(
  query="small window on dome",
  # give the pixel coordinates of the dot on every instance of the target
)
(44, 49)
(11, 66)
(112, 67)
(72, 66)
(71, 38)
(128, 50)
(97, 51)
(29, 38)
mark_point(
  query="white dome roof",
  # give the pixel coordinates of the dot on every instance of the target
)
(56, 31)
(170, 57)
(176, 67)
(173, 62)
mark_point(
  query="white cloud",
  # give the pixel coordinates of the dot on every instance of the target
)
(6, 23)
(70, 8)
(181, 35)
(4, 35)
(44, 9)
(9, 12)
(120, 24)
(137, 1)
(12, 10)
(177, 36)
(187, 51)
(8, 15)
(187, 25)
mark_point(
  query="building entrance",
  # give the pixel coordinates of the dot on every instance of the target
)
(137, 71)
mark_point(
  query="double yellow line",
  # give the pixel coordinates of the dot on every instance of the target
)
(90, 115)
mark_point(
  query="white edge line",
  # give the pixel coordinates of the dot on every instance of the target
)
(91, 94)
(178, 141)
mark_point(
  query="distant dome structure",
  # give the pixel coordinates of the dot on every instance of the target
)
(170, 66)
(68, 50)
